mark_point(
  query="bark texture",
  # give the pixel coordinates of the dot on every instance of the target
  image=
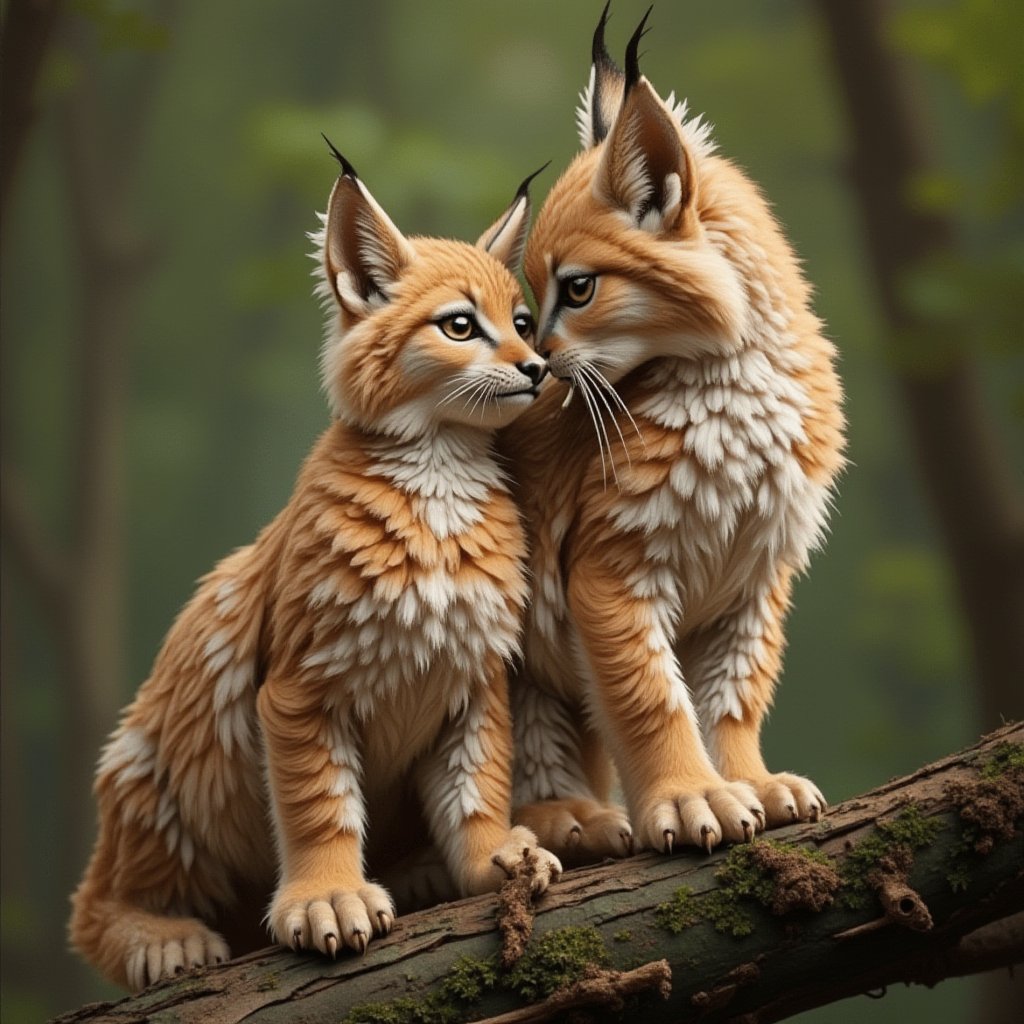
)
(919, 880)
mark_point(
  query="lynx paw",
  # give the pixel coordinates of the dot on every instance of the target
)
(703, 815)
(311, 916)
(788, 798)
(579, 831)
(184, 943)
(519, 843)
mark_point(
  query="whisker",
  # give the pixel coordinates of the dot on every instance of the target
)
(595, 415)
(590, 372)
(464, 382)
(609, 387)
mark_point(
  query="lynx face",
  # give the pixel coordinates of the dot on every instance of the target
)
(426, 332)
(623, 265)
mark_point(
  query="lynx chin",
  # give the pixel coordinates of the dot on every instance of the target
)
(336, 692)
(673, 485)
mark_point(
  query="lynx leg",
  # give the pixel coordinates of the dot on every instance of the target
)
(466, 786)
(562, 778)
(734, 666)
(673, 792)
(322, 901)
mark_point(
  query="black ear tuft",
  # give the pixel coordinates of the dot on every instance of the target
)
(524, 190)
(632, 60)
(598, 51)
(607, 89)
(347, 170)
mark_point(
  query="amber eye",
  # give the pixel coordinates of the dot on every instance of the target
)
(459, 327)
(577, 291)
(523, 324)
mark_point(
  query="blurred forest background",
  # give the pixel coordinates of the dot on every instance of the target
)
(160, 343)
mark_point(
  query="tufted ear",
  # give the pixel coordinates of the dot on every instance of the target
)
(364, 253)
(645, 169)
(600, 101)
(505, 239)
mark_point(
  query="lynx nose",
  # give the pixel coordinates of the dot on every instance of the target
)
(535, 370)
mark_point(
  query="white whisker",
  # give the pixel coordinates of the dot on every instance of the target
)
(464, 382)
(590, 372)
(618, 398)
(595, 415)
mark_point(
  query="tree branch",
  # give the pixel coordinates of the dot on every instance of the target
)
(739, 930)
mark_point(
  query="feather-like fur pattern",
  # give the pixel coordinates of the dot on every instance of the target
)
(352, 656)
(671, 502)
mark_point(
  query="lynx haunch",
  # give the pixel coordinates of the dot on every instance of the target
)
(673, 496)
(354, 655)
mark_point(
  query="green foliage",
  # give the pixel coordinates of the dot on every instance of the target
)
(1008, 757)
(557, 958)
(910, 829)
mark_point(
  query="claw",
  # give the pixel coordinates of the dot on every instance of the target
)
(748, 831)
(814, 813)
(670, 838)
(359, 938)
(575, 835)
(707, 838)
(627, 840)
(331, 942)
(297, 940)
(760, 818)
(385, 922)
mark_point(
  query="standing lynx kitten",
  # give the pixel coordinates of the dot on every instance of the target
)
(671, 503)
(354, 655)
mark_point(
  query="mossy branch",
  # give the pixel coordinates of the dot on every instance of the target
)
(916, 881)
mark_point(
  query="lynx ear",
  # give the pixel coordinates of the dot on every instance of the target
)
(505, 239)
(645, 169)
(364, 253)
(600, 101)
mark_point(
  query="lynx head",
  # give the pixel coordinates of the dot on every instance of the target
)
(423, 331)
(624, 266)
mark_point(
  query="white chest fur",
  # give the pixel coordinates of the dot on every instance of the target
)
(737, 499)
(434, 632)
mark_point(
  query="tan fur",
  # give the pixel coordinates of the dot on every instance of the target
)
(353, 657)
(665, 546)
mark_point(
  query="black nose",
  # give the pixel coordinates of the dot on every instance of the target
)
(535, 371)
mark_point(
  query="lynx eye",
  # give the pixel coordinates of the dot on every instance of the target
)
(523, 324)
(459, 327)
(577, 291)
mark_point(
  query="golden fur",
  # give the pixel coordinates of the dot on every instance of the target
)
(354, 656)
(670, 504)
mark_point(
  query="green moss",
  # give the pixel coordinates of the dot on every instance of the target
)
(724, 910)
(679, 913)
(269, 982)
(467, 979)
(463, 984)
(1006, 757)
(557, 958)
(910, 829)
(624, 936)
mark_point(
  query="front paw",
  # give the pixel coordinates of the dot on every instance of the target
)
(580, 830)
(702, 813)
(319, 916)
(518, 851)
(789, 798)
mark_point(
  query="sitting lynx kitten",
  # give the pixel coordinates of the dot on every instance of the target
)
(354, 655)
(671, 505)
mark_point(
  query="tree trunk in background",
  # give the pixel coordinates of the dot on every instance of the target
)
(80, 584)
(968, 481)
(802, 940)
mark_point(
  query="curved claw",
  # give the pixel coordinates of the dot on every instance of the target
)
(670, 838)
(331, 942)
(361, 942)
(297, 940)
(707, 838)
(384, 919)
(759, 815)
(748, 831)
